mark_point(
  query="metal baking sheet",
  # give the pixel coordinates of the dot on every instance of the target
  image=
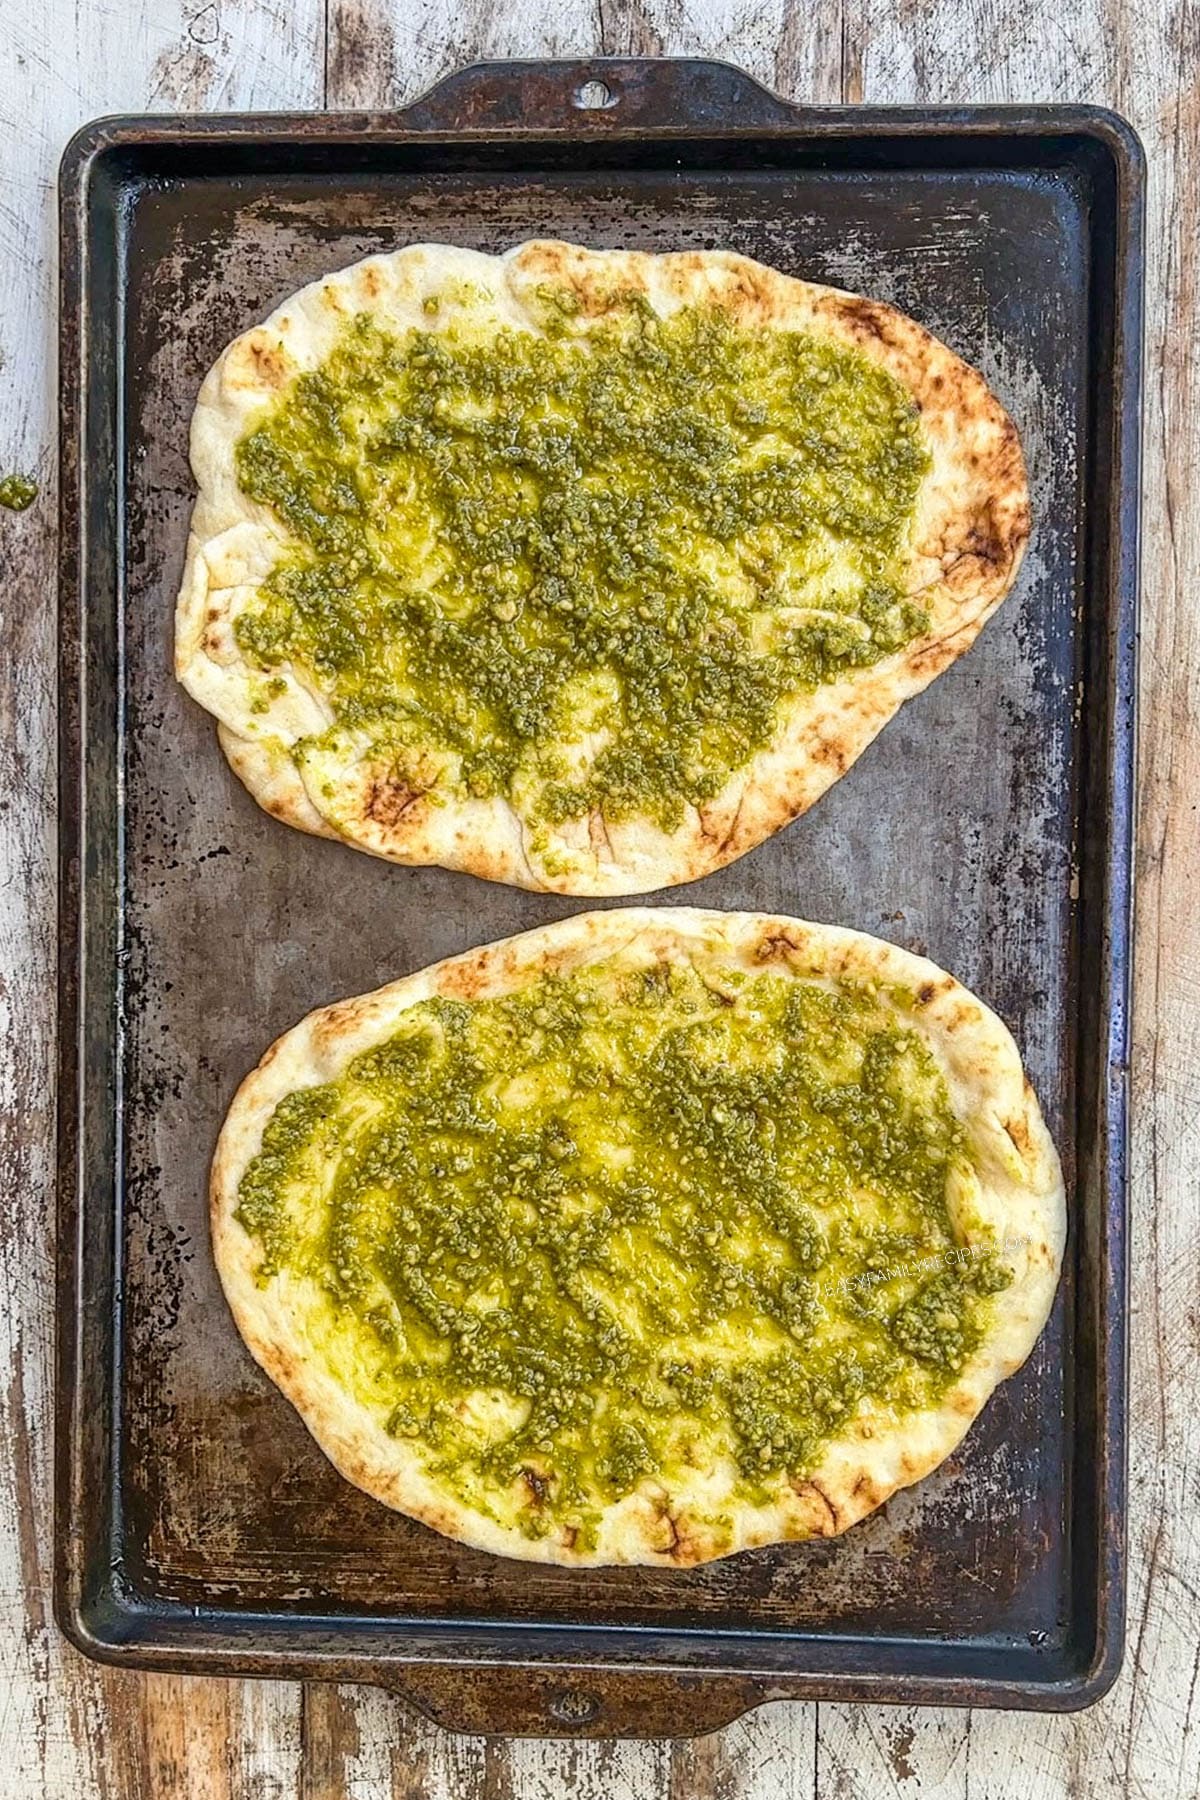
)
(198, 1525)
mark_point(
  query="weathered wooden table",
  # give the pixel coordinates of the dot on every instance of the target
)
(69, 1730)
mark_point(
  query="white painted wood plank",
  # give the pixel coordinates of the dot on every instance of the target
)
(770, 1754)
(382, 54)
(535, 1770)
(265, 1739)
(956, 52)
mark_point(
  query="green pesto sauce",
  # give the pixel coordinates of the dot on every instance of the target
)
(623, 1222)
(17, 492)
(583, 570)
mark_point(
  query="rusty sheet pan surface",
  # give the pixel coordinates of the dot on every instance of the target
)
(989, 826)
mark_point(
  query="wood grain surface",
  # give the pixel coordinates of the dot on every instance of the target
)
(69, 1729)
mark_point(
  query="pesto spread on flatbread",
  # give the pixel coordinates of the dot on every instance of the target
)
(538, 565)
(583, 570)
(642, 1217)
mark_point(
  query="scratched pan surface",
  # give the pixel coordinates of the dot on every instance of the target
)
(199, 1527)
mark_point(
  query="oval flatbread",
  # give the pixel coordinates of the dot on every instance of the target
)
(581, 570)
(646, 1237)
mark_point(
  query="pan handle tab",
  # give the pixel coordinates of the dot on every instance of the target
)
(602, 94)
(514, 1701)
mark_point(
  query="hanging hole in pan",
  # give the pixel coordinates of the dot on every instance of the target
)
(593, 96)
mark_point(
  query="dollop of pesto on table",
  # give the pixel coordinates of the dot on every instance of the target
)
(586, 569)
(623, 1222)
(17, 492)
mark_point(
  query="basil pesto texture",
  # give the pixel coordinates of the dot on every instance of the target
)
(587, 567)
(624, 1224)
(17, 492)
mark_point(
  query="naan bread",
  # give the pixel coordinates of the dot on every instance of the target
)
(694, 1511)
(968, 534)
